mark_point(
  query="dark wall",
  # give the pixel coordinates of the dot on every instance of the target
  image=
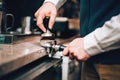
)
(21, 8)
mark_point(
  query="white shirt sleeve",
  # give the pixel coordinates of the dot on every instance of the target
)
(58, 3)
(105, 38)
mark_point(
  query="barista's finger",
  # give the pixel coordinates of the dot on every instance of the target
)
(71, 55)
(66, 51)
(71, 52)
(36, 14)
(40, 23)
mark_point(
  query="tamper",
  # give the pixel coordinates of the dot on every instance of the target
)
(48, 36)
(48, 40)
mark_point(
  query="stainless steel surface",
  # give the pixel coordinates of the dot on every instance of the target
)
(34, 70)
(40, 69)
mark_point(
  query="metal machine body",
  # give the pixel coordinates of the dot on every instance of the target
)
(54, 50)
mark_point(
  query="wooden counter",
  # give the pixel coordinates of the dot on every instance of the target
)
(19, 54)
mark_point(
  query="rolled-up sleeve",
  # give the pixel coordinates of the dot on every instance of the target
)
(58, 3)
(105, 38)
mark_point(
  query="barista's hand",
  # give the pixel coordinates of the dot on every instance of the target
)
(47, 9)
(76, 50)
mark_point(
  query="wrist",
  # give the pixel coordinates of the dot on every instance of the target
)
(91, 45)
(55, 2)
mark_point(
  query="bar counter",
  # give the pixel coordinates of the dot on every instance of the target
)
(24, 60)
(24, 52)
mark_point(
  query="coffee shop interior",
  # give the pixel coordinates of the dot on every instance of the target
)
(24, 51)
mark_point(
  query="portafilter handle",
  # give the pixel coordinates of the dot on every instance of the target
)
(61, 48)
(58, 47)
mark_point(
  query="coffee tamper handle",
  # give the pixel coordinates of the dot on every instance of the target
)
(46, 22)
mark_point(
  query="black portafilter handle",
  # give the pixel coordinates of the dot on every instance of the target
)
(61, 48)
